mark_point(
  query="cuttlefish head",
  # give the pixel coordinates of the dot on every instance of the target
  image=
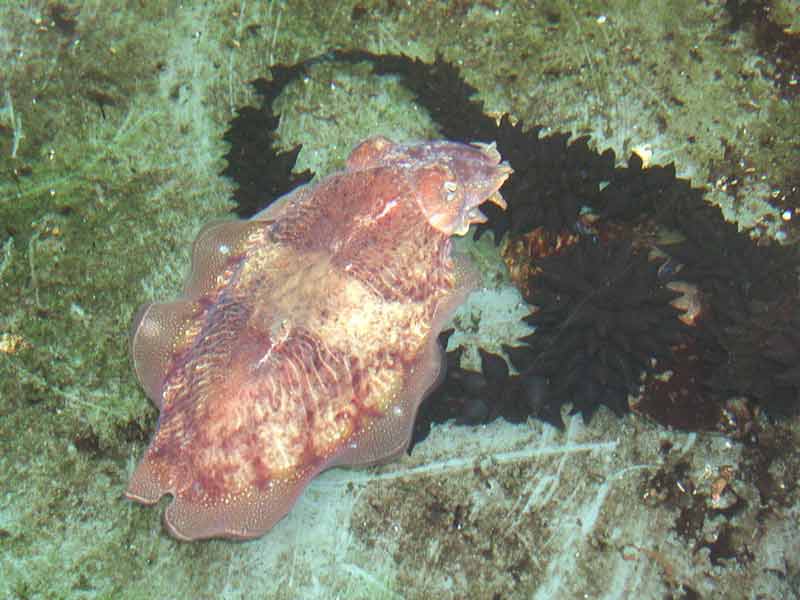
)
(449, 180)
(454, 180)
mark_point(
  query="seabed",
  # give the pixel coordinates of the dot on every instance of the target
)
(112, 118)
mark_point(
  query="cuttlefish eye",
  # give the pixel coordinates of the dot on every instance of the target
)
(450, 188)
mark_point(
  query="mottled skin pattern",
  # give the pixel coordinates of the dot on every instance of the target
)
(306, 336)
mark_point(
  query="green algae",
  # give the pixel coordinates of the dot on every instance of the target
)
(111, 142)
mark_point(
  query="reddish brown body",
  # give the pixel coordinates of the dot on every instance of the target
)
(306, 337)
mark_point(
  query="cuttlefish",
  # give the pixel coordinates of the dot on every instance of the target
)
(306, 337)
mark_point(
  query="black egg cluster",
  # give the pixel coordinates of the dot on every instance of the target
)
(603, 313)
